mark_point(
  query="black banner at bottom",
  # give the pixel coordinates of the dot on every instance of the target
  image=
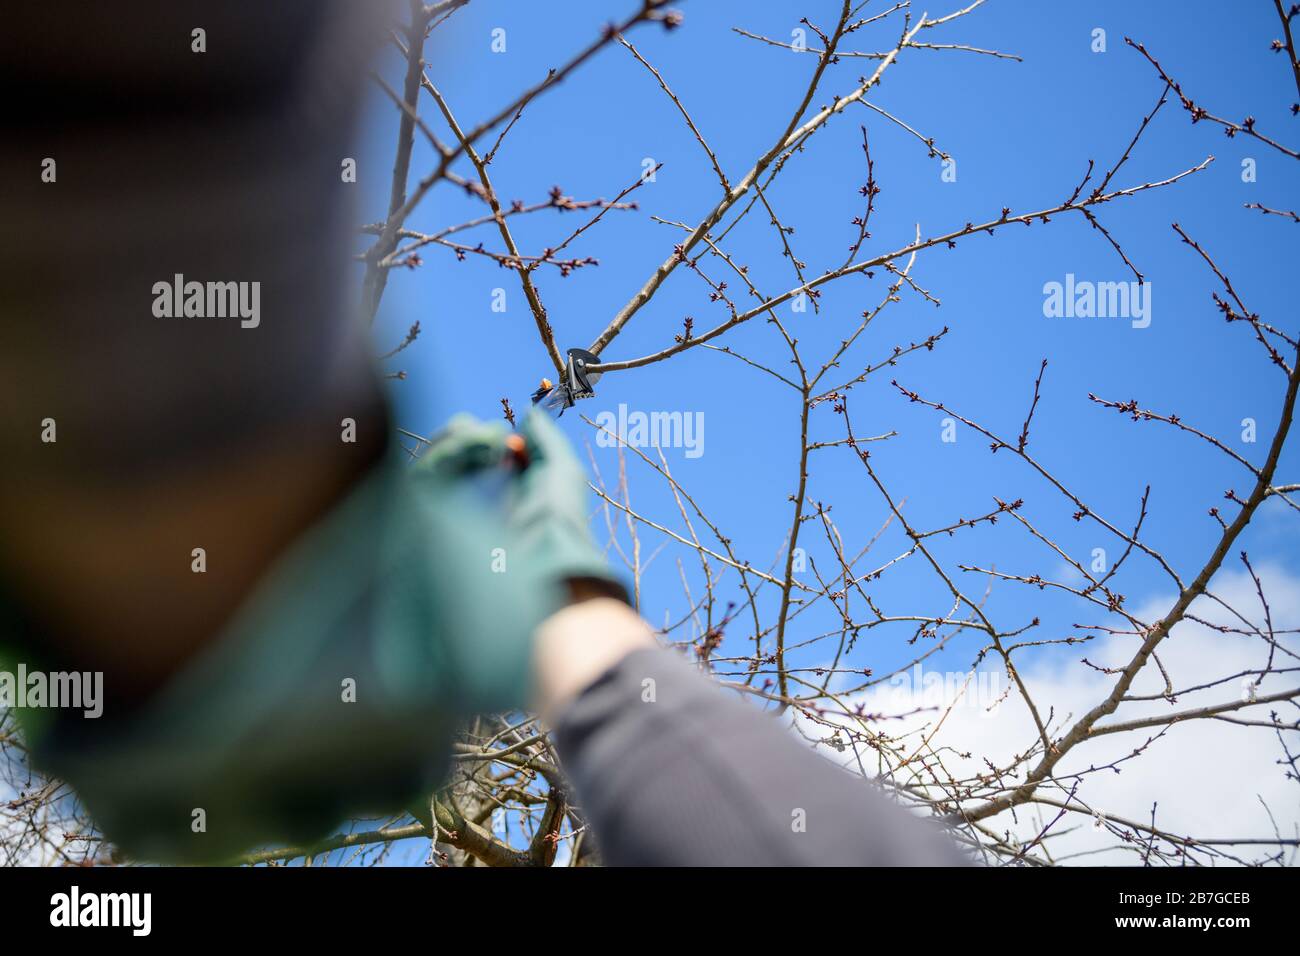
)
(303, 906)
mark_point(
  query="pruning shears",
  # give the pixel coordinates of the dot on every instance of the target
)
(576, 383)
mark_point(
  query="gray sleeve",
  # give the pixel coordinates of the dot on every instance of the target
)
(678, 772)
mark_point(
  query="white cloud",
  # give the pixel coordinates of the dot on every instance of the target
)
(1207, 777)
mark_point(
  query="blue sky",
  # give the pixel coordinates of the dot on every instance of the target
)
(1022, 134)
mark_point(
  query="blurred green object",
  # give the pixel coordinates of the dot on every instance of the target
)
(334, 691)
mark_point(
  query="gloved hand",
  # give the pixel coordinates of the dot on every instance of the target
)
(542, 498)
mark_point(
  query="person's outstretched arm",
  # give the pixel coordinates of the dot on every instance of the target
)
(673, 770)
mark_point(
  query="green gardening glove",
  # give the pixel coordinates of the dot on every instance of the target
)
(542, 494)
